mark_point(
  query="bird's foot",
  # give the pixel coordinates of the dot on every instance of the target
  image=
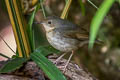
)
(58, 59)
(64, 69)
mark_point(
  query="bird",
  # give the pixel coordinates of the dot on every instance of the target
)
(64, 36)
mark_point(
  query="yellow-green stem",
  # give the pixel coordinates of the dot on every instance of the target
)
(19, 28)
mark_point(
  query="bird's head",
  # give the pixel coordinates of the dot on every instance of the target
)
(51, 23)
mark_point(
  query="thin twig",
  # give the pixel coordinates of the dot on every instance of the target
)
(7, 44)
(92, 4)
(4, 56)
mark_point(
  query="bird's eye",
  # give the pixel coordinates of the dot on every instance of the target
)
(49, 22)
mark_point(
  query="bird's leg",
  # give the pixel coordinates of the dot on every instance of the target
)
(58, 59)
(68, 61)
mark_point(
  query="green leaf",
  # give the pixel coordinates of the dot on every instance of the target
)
(66, 1)
(82, 7)
(118, 1)
(4, 56)
(18, 25)
(45, 50)
(30, 30)
(42, 7)
(50, 69)
(12, 65)
(97, 20)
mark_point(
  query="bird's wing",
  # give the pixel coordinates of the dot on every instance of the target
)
(76, 33)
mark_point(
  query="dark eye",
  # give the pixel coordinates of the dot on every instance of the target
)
(49, 22)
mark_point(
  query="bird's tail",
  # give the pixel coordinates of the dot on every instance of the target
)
(99, 42)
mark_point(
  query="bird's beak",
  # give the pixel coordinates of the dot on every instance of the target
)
(38, 22)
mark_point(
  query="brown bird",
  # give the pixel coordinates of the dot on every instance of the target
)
(64, 35)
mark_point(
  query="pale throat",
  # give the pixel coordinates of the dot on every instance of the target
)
(48, 28)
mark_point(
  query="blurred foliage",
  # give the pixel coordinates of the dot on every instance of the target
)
(24, 37)
(2, 3)
(52, 72)
(12, 65)
(97, 20)
(66, 9)
(102, 61)
(82, 7)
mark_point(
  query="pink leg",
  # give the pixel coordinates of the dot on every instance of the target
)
(58, 59)
(68, 61)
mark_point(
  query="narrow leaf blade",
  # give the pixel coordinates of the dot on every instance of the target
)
(97, 20)
(50, 70)
(46, 50)
(12, 65)
(82, 7)
(42, 7)
(30, 29)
